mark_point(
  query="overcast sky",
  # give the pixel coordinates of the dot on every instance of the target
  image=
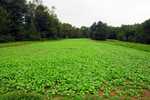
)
(113, 12)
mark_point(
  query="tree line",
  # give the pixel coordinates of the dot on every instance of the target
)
(21, 20)
(132, 33)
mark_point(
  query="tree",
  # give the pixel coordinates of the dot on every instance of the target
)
(16, 9)
(4, 21)
(30, 30)
(46, 22)
(84, 32)
(98, 31)
(5, 26)
(66, 30)
(112, 32)
(146, 28)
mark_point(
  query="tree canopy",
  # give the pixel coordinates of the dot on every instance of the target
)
(22, 20)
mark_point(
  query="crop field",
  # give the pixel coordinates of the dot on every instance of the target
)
(75, 67)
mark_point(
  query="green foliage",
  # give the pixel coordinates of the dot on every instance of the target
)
(133, 33)
(143, 47)
(34, 21)
(98, 31)
(5, 26)
(74, 67)
(69, 31)
(146, 27)
(4, 20)
(17, 95)
(16, 10)
(85, 31)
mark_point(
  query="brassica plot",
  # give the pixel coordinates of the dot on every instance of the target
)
(74, 67)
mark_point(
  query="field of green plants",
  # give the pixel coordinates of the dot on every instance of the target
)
(75, 67)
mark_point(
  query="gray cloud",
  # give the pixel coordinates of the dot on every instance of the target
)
(113, 12)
